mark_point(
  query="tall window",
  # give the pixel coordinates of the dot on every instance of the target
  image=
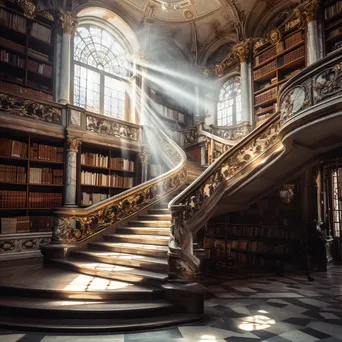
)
(229, 105)
(101, 71)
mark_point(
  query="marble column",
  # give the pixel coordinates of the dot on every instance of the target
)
(143, 97)
(307, 13)
(144, 160)
(70, 170)
(242, 50)
(68, 24)
(133, 94)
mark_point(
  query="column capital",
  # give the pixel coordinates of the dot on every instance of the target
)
(307, 11)
(242, 50)
(68, 22)
(73, 143)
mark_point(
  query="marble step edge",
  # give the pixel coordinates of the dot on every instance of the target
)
(143, 230)
(153, 240)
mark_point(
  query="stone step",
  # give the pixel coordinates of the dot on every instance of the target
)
(131, 248)
(158, 211)
(108, 271)
(159, 240)
(91, 309)
(101, 325)
(152, 217)
(124, 259)
(149, 223)
(143, 230)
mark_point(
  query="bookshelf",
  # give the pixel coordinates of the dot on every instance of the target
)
(31, 181)
(26, 53)
(332, 25)
(105, 172)
(273, 65)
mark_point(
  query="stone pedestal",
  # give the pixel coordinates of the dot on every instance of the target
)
(144, 160)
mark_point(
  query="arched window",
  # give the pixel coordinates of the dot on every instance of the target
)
(101, 71)
(229, 105)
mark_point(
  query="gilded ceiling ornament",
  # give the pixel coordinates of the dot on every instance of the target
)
(274, 36)
(307, 11)
(28, 7)
(242, 50)
(228, 61)
(73, 143)
(188, 14)
(68, 22)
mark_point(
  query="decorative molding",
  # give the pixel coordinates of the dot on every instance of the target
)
(307, 11)
(75, 117)
(242, 50)
(68, 22)
(144, 156)
(31, 9)
(30, 109)
(236, 132)
(112, 128)
(19, 244)
(227, 62)
(73, 143)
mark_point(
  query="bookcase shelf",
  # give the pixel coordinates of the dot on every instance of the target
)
(274, 65)
(31, 180)
(32, 41)
(104, 172)
(332, 18)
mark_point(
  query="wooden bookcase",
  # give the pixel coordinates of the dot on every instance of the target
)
(273, 65)
(332, 25)
(31, 181)
(26, 53)
(102, 172)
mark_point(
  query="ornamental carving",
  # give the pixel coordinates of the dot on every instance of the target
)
(227, 62)
(190, 136)
(307, 11)
(68, 22)
(73, 143)
(242, 50)
(274, 36)
(15, 245)
(144, 156)
(112, 128)
(30, 109)
(32, 10)
(323, 85)
(229, 133)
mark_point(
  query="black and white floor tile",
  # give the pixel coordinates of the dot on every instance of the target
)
(273, 309)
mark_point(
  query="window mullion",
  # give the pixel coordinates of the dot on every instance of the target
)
(102, 92)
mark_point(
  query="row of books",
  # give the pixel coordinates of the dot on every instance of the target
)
(256, 246)
(39, 68)
(293, 39)
(291, 74)
(46, 152)
(38, 55)
(12, 174)
(100, 179)
(248, 260)
(39, 95)
(268, 83)
(94, 159)
(156, 170)
(265, 69)
(45, 200)
(41, 32)
(12, 199)
(269, 53)
(12, 21)
(265, 110)
(265, 96)
(122, 164)
(167, 112)
(25, 224)
(333, 9)
(11, 58)
(291, 56)
(12, 45)
(13, 148)
(46, 176)
(260, 231)
(89, 199)
(334, 33)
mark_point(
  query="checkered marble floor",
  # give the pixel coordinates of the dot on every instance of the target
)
(268, 308)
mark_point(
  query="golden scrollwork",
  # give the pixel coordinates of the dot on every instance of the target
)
(307, 11)
(31, 9)
(242, 50)
(68, 22)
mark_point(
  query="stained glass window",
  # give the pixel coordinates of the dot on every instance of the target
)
(229, 105)
(101, 69)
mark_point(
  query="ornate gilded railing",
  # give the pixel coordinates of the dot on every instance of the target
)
(73, 226)
(311, 88)
(231, 133)
(193, 206)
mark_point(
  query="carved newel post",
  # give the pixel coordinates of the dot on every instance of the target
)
(69, 25)
(70, 179)
(307, 13)
(144, 160)
(183, 264)
(242, 51)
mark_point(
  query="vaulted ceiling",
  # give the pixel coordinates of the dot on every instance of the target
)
(195, 31)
